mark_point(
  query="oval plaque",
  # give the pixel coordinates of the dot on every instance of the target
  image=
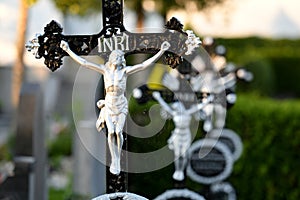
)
(210, 161)
(222, 191)
(231, 140)
(120, 195)
(179, 194)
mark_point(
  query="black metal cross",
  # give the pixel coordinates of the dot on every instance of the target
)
(114, 36)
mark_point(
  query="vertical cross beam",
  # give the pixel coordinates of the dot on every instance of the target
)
(113, 15)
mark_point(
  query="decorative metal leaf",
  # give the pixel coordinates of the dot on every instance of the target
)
(174, 24)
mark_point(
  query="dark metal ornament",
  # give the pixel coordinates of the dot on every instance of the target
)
(47, 45)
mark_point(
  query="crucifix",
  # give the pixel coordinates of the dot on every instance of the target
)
(114, 43)
(180, 139)
(114, 107)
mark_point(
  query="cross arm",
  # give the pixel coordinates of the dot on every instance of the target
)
(99, 68)
(110, 38)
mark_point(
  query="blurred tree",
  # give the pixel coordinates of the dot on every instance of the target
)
(162, 6)
(18, 68)
(78, 7)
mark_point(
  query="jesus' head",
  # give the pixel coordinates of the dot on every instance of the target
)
(116, 59)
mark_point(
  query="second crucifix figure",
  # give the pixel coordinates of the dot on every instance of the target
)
(180, 139)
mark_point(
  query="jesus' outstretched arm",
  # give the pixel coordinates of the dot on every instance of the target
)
(164, 47)
(96, 67)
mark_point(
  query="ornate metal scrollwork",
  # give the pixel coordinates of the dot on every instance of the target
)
(48, 44)
(112, 17)
(174, 24)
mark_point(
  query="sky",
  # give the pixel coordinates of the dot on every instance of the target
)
(239, 18)
(38, 17)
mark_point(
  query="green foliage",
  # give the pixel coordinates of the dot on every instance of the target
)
(242, 50)
(267, 169)
(62, 144)
(56, 194)
(275, 64)
(31, 2)
(151, 184)
(264, 78)
(163, 6)
(287, 70)
(78, 197)
(5, 153)
(65, 194)
(270, 131)
(159, 180)
(59, 148)
(7, 149)
(77, 7)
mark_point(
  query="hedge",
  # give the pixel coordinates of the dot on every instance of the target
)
(240, 50)
(270, 130)
(275, 63)
(269, 166)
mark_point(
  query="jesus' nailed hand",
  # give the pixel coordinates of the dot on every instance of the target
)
(115, 106)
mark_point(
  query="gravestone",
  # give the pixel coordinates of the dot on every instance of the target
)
(230, 139)
(29, 180)
(90, 178)
(179, 194)
(210, 161)
(120, 195)
(89, 174)
(222, 191)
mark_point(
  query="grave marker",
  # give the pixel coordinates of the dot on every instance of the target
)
(231, 140)
(179, 194)
(113, 36)
(222, 190)
(210, 161)
(29, 180)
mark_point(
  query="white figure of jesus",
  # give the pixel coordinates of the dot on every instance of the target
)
(115, 106)
(180, 139)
